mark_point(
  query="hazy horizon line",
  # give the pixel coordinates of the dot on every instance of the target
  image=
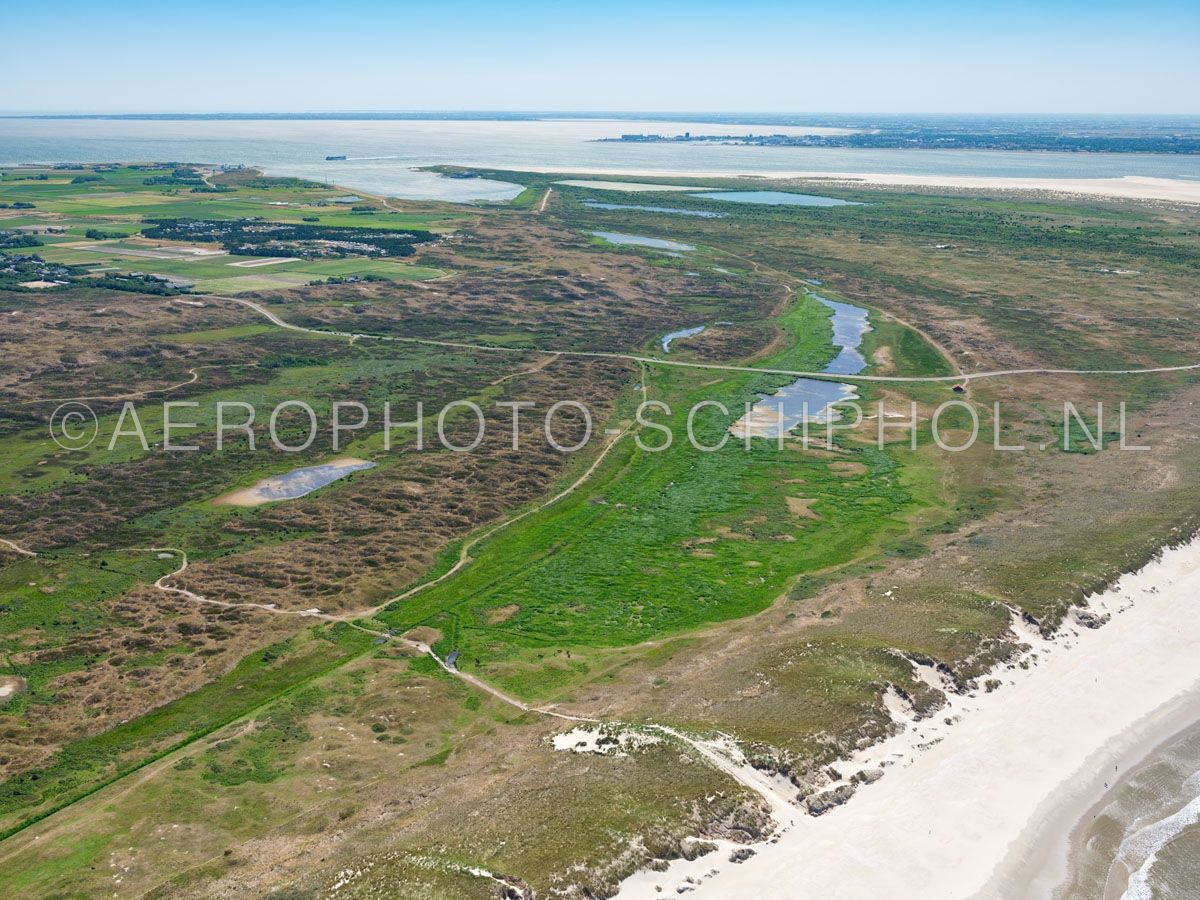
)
(563, 113)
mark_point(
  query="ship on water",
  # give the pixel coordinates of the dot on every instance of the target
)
(329, 158)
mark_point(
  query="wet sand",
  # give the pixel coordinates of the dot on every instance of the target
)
(1143, 817)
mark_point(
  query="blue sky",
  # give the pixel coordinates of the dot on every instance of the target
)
(699, 56)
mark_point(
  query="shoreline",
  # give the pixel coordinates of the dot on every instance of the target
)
(986, 805)
(1127, 187)
(1039, 864)
(1073, 843)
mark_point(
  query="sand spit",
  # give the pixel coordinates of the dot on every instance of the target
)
(1130, 187)
(979, 799)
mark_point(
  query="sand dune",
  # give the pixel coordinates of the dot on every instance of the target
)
(987, 810)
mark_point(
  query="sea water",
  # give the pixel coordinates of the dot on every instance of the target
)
(381, 154)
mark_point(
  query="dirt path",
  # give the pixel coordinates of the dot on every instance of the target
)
(545, 199)
(464, 556)
(464, 559)
(15, 548)
(162, 585)
(722, 756)
(657, 361)
(788, 279)
(530, 371)
(140, 395)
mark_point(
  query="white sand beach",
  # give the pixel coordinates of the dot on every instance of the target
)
(1131, 187)
(984, 807)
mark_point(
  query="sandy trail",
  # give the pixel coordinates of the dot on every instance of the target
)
(657, 361)
(141, 395)
(464, 556)
(16, 548)
(537, 367)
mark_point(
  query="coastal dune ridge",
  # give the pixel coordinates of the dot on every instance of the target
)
(985, 807)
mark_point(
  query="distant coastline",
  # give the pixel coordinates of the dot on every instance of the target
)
(390, 154)
(927, 138)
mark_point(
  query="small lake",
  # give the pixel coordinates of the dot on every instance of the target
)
(295, 483)
(676, 335)
(850, 323)
(637, 240)
(810, 398)
(774, 198)
(698, 213)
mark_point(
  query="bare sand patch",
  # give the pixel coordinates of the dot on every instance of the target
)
(603, 740)
(501, 613)
(424, 634)
(802, 507)
(10, 686)
(847, 469)
(882, 357)
(1131, 187)
(730, 535)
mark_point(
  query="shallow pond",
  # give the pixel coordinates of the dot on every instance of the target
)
(295, 483)
(850, 323)
(638, 240)
(676, 335)
(699, 213)
(774, 198)
(810, 398)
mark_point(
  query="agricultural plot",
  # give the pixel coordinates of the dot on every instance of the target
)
(97, 211)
